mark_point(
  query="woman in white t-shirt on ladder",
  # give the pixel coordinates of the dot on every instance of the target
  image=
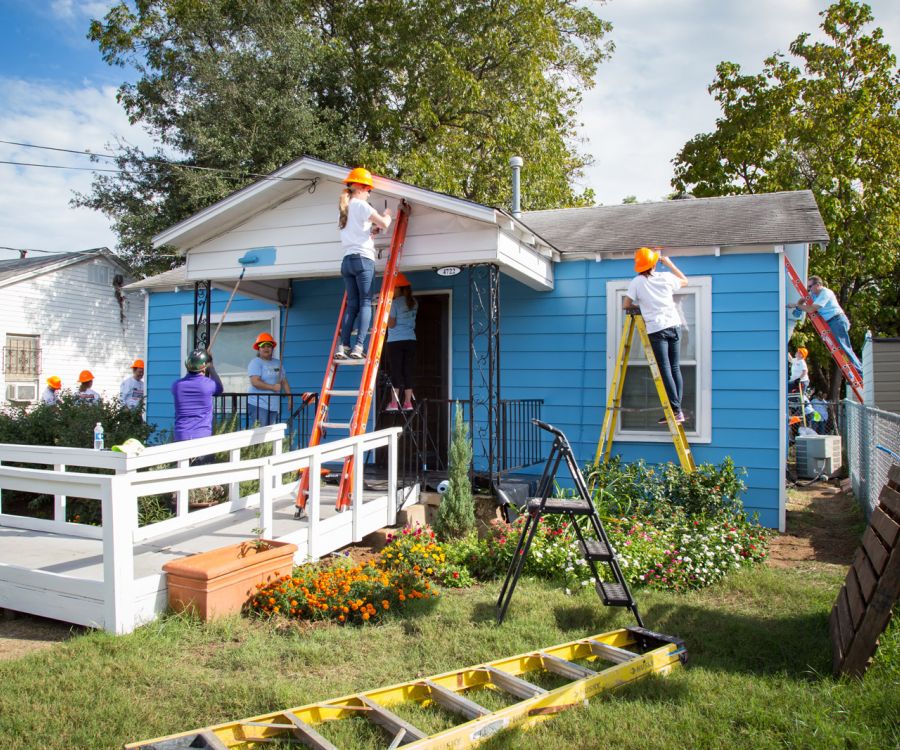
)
(358, 265)
(654, 293)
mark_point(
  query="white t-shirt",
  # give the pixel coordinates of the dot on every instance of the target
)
(356, 237)
(654, 295)
(131, 392)
(799, 369)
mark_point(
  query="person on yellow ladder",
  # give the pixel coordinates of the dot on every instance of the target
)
(654, 293)
(355, 220)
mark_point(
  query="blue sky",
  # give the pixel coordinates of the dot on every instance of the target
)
(650, 98)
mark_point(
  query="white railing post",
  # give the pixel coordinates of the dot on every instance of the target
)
(59, 501)
(358, 487)
(392, 479)
(119, 511)
(313, 503)
(234, 489)
(266, 493)
(181, 503)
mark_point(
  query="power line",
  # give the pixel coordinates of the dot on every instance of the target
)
(59, 166)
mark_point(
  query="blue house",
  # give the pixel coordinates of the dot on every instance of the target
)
(520, 315)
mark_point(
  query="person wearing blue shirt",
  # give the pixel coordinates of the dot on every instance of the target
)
(267, 377)
(400, 347)
(825, 303)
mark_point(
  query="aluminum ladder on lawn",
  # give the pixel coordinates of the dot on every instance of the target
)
(635, 321)
(853, 378)
(595, 548)
(369, 372)
(629, 654)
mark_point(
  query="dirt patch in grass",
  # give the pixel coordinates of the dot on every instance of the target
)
(823, 526)
(21, 634)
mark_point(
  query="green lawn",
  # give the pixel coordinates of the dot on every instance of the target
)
(758, 677)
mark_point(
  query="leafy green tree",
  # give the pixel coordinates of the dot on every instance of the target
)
(830, 125)
(456, 513)
(436, 93)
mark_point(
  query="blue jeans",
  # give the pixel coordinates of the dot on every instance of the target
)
(840, 327)
(261, 415)
(667, 350)
(358, 273)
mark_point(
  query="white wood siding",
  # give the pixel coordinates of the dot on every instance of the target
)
(79, 325)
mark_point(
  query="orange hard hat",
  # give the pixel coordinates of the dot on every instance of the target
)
(54, 382)
(401, 280)
(645, 259)
(803, 352)
(264, 338)
(138, 363)
(359, 176)
(794, 420)
(86, 376)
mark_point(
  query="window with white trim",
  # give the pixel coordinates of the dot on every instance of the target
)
(640, 402)
(233, 348)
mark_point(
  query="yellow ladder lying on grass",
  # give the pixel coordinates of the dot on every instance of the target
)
(565, 682)
(634, 320)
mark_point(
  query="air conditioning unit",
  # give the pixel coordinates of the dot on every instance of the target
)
(21, 392)
(817, 455)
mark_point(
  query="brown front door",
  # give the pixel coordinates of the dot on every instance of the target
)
(432, 377)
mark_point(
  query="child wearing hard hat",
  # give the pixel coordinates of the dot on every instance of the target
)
(51, 392)
(355, 220)
(85, 394)
(400, 348)
(654, 293)
(267, 377)
(131, 392)
(799, 371)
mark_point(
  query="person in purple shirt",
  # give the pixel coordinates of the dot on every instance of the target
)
(194, 397)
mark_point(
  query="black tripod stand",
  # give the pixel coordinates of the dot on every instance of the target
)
(595, 549)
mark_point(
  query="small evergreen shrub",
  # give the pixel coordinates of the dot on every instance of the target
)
(456, 514)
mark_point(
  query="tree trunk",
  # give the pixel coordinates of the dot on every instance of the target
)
(837, 380)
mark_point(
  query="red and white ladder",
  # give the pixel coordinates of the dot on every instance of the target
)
(853, 378)
(364, 394)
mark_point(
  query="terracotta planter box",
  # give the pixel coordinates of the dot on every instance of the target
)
(220, 582)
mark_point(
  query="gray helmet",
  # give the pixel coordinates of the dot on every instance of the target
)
(197, 360)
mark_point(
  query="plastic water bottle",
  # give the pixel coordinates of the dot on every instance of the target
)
(98, 437)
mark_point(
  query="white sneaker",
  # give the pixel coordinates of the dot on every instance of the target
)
(357, 352)
(341, 352)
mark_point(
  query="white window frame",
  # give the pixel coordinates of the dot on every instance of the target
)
(701, 287)
(268, 320)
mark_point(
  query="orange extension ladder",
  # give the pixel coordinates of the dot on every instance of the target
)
(853, 378)
(369, 365)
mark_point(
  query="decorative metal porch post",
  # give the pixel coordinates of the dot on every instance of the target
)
(202, 308)
(484, 363)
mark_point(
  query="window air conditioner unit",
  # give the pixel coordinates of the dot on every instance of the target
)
(21, 391)
(818, 455)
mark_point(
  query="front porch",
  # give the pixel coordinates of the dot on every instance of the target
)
(110, 576)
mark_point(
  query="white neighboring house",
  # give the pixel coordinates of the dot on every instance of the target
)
(61, 314)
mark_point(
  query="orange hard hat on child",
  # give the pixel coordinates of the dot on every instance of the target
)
(803, 352)
(264, 338)
(86, 376)
(137, 364)
(401, 280)
(645, 259)
(54, 382)
(359, 176)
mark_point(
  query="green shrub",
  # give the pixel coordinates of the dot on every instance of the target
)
(456, 514)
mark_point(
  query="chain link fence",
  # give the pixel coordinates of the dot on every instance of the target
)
(870, 437)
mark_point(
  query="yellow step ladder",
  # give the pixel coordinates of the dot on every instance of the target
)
(622, 656)
(634, 320)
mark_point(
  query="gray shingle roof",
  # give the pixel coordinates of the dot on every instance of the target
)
(770, 218)
(14, 267)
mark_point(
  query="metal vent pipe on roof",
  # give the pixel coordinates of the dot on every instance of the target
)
(516, 163)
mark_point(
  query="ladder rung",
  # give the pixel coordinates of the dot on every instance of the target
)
(390, 721)
(336, 425)
(212, 740)
(513, 685)
(613, 594)
(610, 653)
(565, 668)
(594, 549)
(350, 361)
(561, 505)
(342, 393)
(454, 701)
(310, 736)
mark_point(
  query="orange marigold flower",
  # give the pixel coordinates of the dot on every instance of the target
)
(271, 600)
(365, 616)
(386, 604)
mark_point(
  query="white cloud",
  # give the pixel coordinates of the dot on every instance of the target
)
(34, 201)
(78, 9)
(651, 97)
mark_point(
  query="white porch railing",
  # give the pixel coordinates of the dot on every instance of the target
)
(136, 477)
